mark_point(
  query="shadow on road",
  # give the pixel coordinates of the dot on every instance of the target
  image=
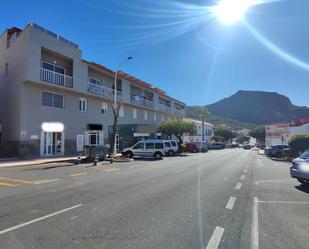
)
(303, 188)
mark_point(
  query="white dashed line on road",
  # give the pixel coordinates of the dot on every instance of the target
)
(238, 186)
(38, 219)
(231, 203)
(135, 166)
(242, 177)
(180, 170)
(215, 238)
(255, 225)
(274, 181)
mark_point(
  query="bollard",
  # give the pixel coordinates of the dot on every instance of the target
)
(79, 160)
(96, 159)
(112, 160)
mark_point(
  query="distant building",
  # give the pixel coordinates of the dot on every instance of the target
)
(278, 134)
(208, 131)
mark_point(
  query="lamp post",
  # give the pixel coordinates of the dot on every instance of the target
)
(115, 97)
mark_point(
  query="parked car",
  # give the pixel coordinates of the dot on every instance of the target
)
(247, 146)
(276, 151)
(300, 168)
(170, 147)
(216, 146)
(202, 146)
(191, 147)
(146, 148)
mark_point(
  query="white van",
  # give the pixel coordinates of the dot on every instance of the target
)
(146, 148)
(170, 147)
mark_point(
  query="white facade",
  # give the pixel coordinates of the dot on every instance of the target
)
(208, 131)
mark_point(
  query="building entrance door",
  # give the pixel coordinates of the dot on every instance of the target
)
(51, 143)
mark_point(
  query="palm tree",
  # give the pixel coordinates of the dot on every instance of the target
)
(203, 112)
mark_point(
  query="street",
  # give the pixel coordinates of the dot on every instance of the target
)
(231, 198)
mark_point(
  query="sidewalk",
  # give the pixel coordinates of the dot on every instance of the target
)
(14, 162)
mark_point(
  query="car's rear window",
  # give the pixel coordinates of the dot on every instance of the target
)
(159, 145)
(305, 155)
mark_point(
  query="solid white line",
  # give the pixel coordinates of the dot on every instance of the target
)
(238, 186)
(38, 219)
(215, 238)
(230, 203)
(180, 170)
(285, 202)
(270, 181)
(46, 181)
(242, 177)
(255, 225)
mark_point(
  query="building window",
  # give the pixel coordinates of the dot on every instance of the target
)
(145, 115)
(95, 81)
(94, 138)
(52, 67)
(162, 117)
(50, 99)
(104, 109)
(6, 69)
(154, 116)
(121, 111)
(134, 113)
(82, 105)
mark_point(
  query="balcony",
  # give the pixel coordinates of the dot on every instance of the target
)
(56, 78)
(139, 100)
(164, 108)
(180, 112)
(103, 91)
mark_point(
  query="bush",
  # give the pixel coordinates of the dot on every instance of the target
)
(299, 143)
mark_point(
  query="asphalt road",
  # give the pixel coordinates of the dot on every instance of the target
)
(231, 198)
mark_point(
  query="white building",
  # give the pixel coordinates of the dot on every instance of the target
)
(208, 131)
(278, 134)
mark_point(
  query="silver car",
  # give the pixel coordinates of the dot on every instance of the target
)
(146, 148)
(300, 168)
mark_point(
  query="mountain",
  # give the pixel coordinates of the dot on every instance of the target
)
(253, 107)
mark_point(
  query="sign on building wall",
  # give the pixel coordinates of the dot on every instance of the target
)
(23, 134)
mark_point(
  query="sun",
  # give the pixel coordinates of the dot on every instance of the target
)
(231, 11)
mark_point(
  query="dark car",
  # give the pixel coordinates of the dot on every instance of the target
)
(202, 146)
(247, 147)
(216, 146)
(191, 147)
(300, 168)
(276, 151)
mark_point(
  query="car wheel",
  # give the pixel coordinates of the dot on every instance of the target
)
(170, 153)
(129, 154)
(158, 155)
(278, 154)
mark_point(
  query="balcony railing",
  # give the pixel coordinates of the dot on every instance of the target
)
(180, 112)
(103, 91)
(164, 108)
(56, 78)
(138, 100)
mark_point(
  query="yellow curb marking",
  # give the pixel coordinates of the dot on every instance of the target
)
(5, 184)
(111, 170)
(79, 174)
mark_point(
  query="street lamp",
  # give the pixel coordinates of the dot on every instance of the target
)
(115, 95)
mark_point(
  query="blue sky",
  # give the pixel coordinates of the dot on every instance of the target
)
(176, 45)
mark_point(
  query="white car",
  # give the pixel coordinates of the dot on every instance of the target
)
(146, 148)
(170, 147)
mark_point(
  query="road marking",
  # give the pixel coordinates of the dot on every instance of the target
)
(245, 171)
(135, 166)
(46, 181)
(215, 238)
(238, 186)
(255, 224)
(285, 202)
(270, 181)
(110, 170)
(231, 203)
(6, 184)
(16, 180)
(242, 177)
(78, 174)
(180, 170)
(38, 219)
(73, 217)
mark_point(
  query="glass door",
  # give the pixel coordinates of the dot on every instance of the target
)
(47, 143)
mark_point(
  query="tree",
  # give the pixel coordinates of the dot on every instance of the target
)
(226, 133)
(299, 143)
(203, 113)
(242, 139)
(217, 138)
(114, 130)
(258, 133)
(177, 128)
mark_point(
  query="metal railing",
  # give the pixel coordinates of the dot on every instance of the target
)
(164, 108)
(139, 100)
(56, 78)
(180, 112)
(103, 91)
